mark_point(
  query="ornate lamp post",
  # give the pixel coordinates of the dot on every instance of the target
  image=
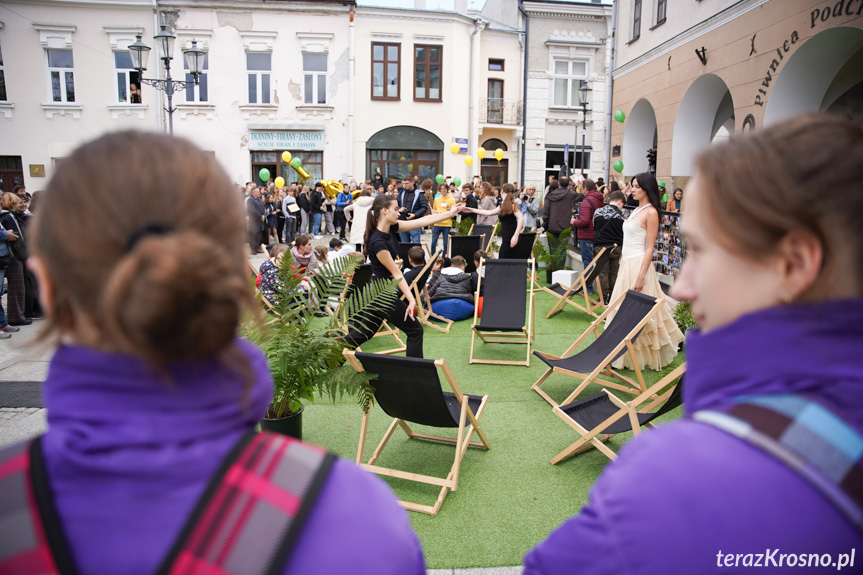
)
(583, 100)
(140, 53)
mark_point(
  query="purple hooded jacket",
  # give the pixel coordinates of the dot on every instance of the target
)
(681, 494)
(128, 454)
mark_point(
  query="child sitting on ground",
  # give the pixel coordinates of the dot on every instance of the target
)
(417, 260)
(452, 294)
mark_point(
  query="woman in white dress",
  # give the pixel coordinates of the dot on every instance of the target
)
(658, 342)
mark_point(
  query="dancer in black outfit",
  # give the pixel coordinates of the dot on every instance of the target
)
(382, 246)
(511, 221)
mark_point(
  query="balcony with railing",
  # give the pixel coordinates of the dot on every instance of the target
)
(500, 111)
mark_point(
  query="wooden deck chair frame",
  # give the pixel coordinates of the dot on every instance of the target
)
(620, 381)
(462, 442)
(654, 396)
(340, 322)
(424, 310)
(590, 306)
(527, 334)
(490, 235)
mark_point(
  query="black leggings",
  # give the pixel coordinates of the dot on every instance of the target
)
(371, 322)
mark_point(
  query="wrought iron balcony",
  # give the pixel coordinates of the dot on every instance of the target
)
(500, 111)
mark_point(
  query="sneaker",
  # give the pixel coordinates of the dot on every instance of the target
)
(10, 329)
(4, 335)
(319, 237)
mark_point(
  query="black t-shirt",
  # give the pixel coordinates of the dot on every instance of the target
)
(383, 241)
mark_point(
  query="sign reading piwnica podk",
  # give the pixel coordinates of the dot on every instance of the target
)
(286, 140)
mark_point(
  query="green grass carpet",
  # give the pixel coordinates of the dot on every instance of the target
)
(510, 497)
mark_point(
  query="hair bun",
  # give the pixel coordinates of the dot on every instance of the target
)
(174, 296)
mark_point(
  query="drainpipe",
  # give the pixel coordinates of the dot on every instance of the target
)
(524, 90)
(159, 118)
(609, 86)
(351, 63)
(474, 90)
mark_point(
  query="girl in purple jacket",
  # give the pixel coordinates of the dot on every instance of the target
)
(149, 388)
(765, 468)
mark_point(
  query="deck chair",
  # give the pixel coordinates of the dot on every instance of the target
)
(598, 417)
(578, 289)
(504, 319)
(524, 248)
(635, 310)
(362, 276)
(466, 247)
(409, 391)
(424, 309)
(404, 248)
(486, 230)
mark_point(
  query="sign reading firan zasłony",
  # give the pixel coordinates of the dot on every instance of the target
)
(286, 140)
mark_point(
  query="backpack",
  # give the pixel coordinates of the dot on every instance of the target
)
(247, 475)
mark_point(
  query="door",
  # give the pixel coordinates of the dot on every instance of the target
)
(495, 101)
(11, 173)
(495, 172)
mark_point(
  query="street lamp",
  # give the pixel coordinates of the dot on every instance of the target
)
(140, 53)
(583, 100)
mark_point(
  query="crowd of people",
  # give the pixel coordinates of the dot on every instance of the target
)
(150, 388)
(22, 302)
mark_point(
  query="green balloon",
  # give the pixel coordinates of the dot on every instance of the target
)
(264, 174)
(439, 179)
(618, 166)
(457, 182)
(619, 116)
(296, 162)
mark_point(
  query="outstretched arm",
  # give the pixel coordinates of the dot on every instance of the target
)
(493, 212)
(405, 225)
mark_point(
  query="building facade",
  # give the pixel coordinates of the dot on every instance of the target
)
(569, 49)
(690, 73)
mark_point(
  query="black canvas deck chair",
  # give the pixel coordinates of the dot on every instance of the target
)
(598, 417)
(594, 361)
(578, 290)
(507, 308)
(524, 248)
(466, 247)
(409, 391)
(484, 230)
(362, 276)
(424, 309)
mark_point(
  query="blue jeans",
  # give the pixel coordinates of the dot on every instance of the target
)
(411, 237)
(2, 313)
(317, 224)
(586, 256)
(436, 232)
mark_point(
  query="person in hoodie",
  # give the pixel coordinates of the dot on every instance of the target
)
(583, 223)
(557, 214)
(451, 291)
(150, 388)
(764, 469)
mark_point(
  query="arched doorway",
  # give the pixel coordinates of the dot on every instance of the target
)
(824, 74)
(638, 136)
(402, 151)
(706, 113)
(492, 171)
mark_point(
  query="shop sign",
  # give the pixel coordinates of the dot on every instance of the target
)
(286, 140)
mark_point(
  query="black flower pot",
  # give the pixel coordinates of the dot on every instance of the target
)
(548, 273)
(290, 425)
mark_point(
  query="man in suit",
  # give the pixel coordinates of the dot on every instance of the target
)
(412, 205)
(256, 219)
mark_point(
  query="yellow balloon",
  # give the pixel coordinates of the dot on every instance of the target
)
(468, 160)
(280, 181)
(454, 148)
(480, 153)
(402, 159)
(410, 167)
(498, 154)
(286, 157)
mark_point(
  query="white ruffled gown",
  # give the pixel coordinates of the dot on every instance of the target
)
(660, 339)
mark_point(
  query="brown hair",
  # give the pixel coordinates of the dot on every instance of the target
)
(478, 255)
(615, 196)
(458, 262)
(486, 189)
(417, 255)
(783, 164)
(277, 250)
(321, 253)
(508, 207)
(9, 201)
(381, 202)
(427, 184)
(301, 240)
(162, 276)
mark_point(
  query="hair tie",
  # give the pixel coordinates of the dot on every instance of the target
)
(149, 229)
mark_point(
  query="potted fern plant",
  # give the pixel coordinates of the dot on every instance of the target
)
(303, 351)
(550, 258)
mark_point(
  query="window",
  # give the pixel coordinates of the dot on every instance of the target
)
(636, 19)
(2, 78)
(61, 74)
(396, 164)
(661, 6)
(315, 78)
(427, 72)
(386, 61)
(197, 93)
(495, 65)
(258, 65)
(567, 79)
(128, 79)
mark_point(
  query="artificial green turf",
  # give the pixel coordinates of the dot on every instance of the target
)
(510, 497)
